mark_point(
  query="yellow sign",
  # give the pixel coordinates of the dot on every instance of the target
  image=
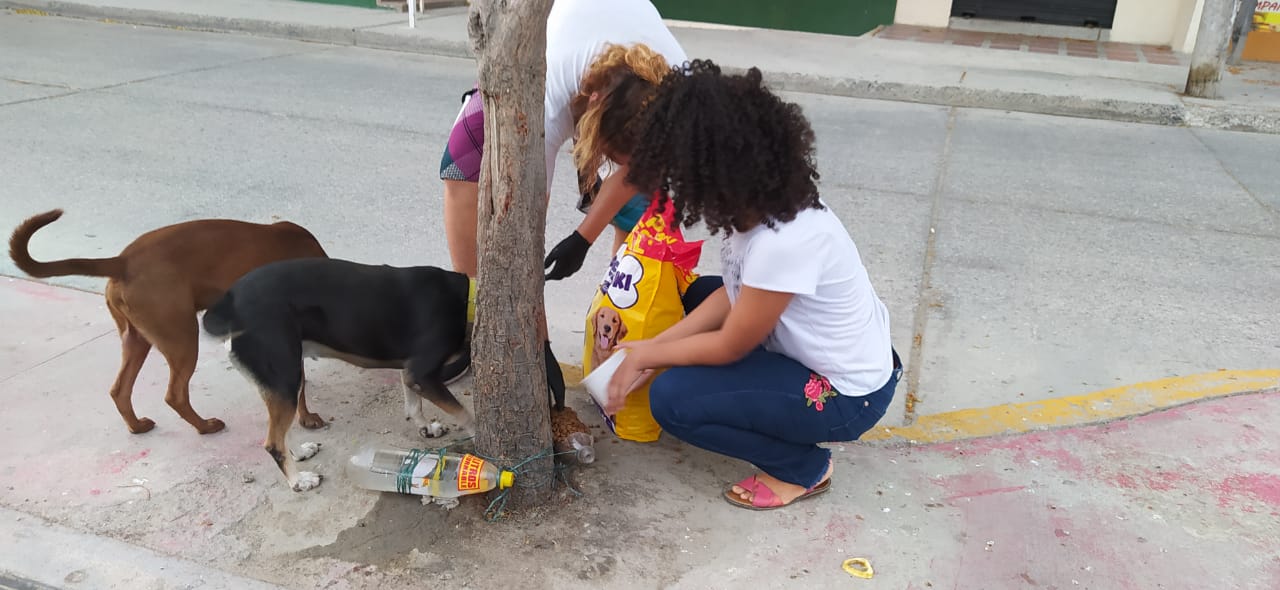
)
(1267, 16)
(1263, 43)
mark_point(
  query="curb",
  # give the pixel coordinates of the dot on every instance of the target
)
(1099, 407)
(955, 96)
(41, 551)
(1184, 113)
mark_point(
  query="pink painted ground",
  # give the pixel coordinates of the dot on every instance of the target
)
(1184, 498)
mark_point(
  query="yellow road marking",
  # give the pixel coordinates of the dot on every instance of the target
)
(1077, 410)
(1090, 408)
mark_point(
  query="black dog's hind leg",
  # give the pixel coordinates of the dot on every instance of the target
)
(272, 359)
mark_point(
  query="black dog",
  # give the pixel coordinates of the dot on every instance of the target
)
(382, 317)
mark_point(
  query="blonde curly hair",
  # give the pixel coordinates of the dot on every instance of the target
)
(620, 77)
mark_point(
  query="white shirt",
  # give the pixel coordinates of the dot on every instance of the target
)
(577, 31)
(835, 325)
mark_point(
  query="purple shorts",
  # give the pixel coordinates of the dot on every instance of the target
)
(462, 154)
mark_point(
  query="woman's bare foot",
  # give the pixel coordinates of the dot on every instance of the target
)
(787, 492)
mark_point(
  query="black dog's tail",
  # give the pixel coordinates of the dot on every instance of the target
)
(221, 320)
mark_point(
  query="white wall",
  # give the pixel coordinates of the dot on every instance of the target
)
(1151, 22)
(1185, 38)
(924, 13)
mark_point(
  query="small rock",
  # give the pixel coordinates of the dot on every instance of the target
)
(248, 478)
(447, 503)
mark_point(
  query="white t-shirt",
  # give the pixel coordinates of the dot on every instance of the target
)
(577, 31)
(835, 324)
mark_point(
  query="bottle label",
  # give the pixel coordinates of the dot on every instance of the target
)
(425, 471)
(469, 473)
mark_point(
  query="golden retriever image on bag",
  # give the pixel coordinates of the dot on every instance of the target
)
(609, 331)
(638, 298)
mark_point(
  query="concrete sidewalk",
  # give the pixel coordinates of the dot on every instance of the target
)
(1178, 499)
(862, 67)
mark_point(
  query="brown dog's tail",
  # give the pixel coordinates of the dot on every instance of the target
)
(93, 267)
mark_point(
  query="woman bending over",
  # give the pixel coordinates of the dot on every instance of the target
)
(794, 349)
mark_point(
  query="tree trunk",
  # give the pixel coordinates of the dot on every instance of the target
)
(511, 401)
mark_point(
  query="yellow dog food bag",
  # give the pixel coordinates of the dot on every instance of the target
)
(639, 297)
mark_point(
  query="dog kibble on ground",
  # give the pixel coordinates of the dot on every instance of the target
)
(564, 423)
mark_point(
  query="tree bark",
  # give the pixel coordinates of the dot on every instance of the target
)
(511, 400)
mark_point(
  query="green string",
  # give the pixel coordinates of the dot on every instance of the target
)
(404, 477)
(496, 507)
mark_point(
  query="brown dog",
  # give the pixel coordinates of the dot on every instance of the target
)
(609, 331)
(159, 282)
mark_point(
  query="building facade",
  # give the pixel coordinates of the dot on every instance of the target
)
(1171, 23)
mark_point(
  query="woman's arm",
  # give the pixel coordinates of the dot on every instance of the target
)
(747, 324)
(567, 256)
(614, 194)
(708, 316)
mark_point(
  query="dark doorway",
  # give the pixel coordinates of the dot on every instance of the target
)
(1073, 13)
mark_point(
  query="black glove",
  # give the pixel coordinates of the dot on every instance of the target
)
(555, 378)
(567, 256)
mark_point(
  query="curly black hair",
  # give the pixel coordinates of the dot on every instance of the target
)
(727, 150)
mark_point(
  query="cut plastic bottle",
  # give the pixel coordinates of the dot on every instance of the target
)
(425, 472)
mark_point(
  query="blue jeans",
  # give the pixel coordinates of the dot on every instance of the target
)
(755, 410)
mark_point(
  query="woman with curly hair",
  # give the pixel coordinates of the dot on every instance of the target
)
(794, 349)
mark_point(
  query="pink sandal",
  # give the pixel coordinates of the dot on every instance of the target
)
(763, 498)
